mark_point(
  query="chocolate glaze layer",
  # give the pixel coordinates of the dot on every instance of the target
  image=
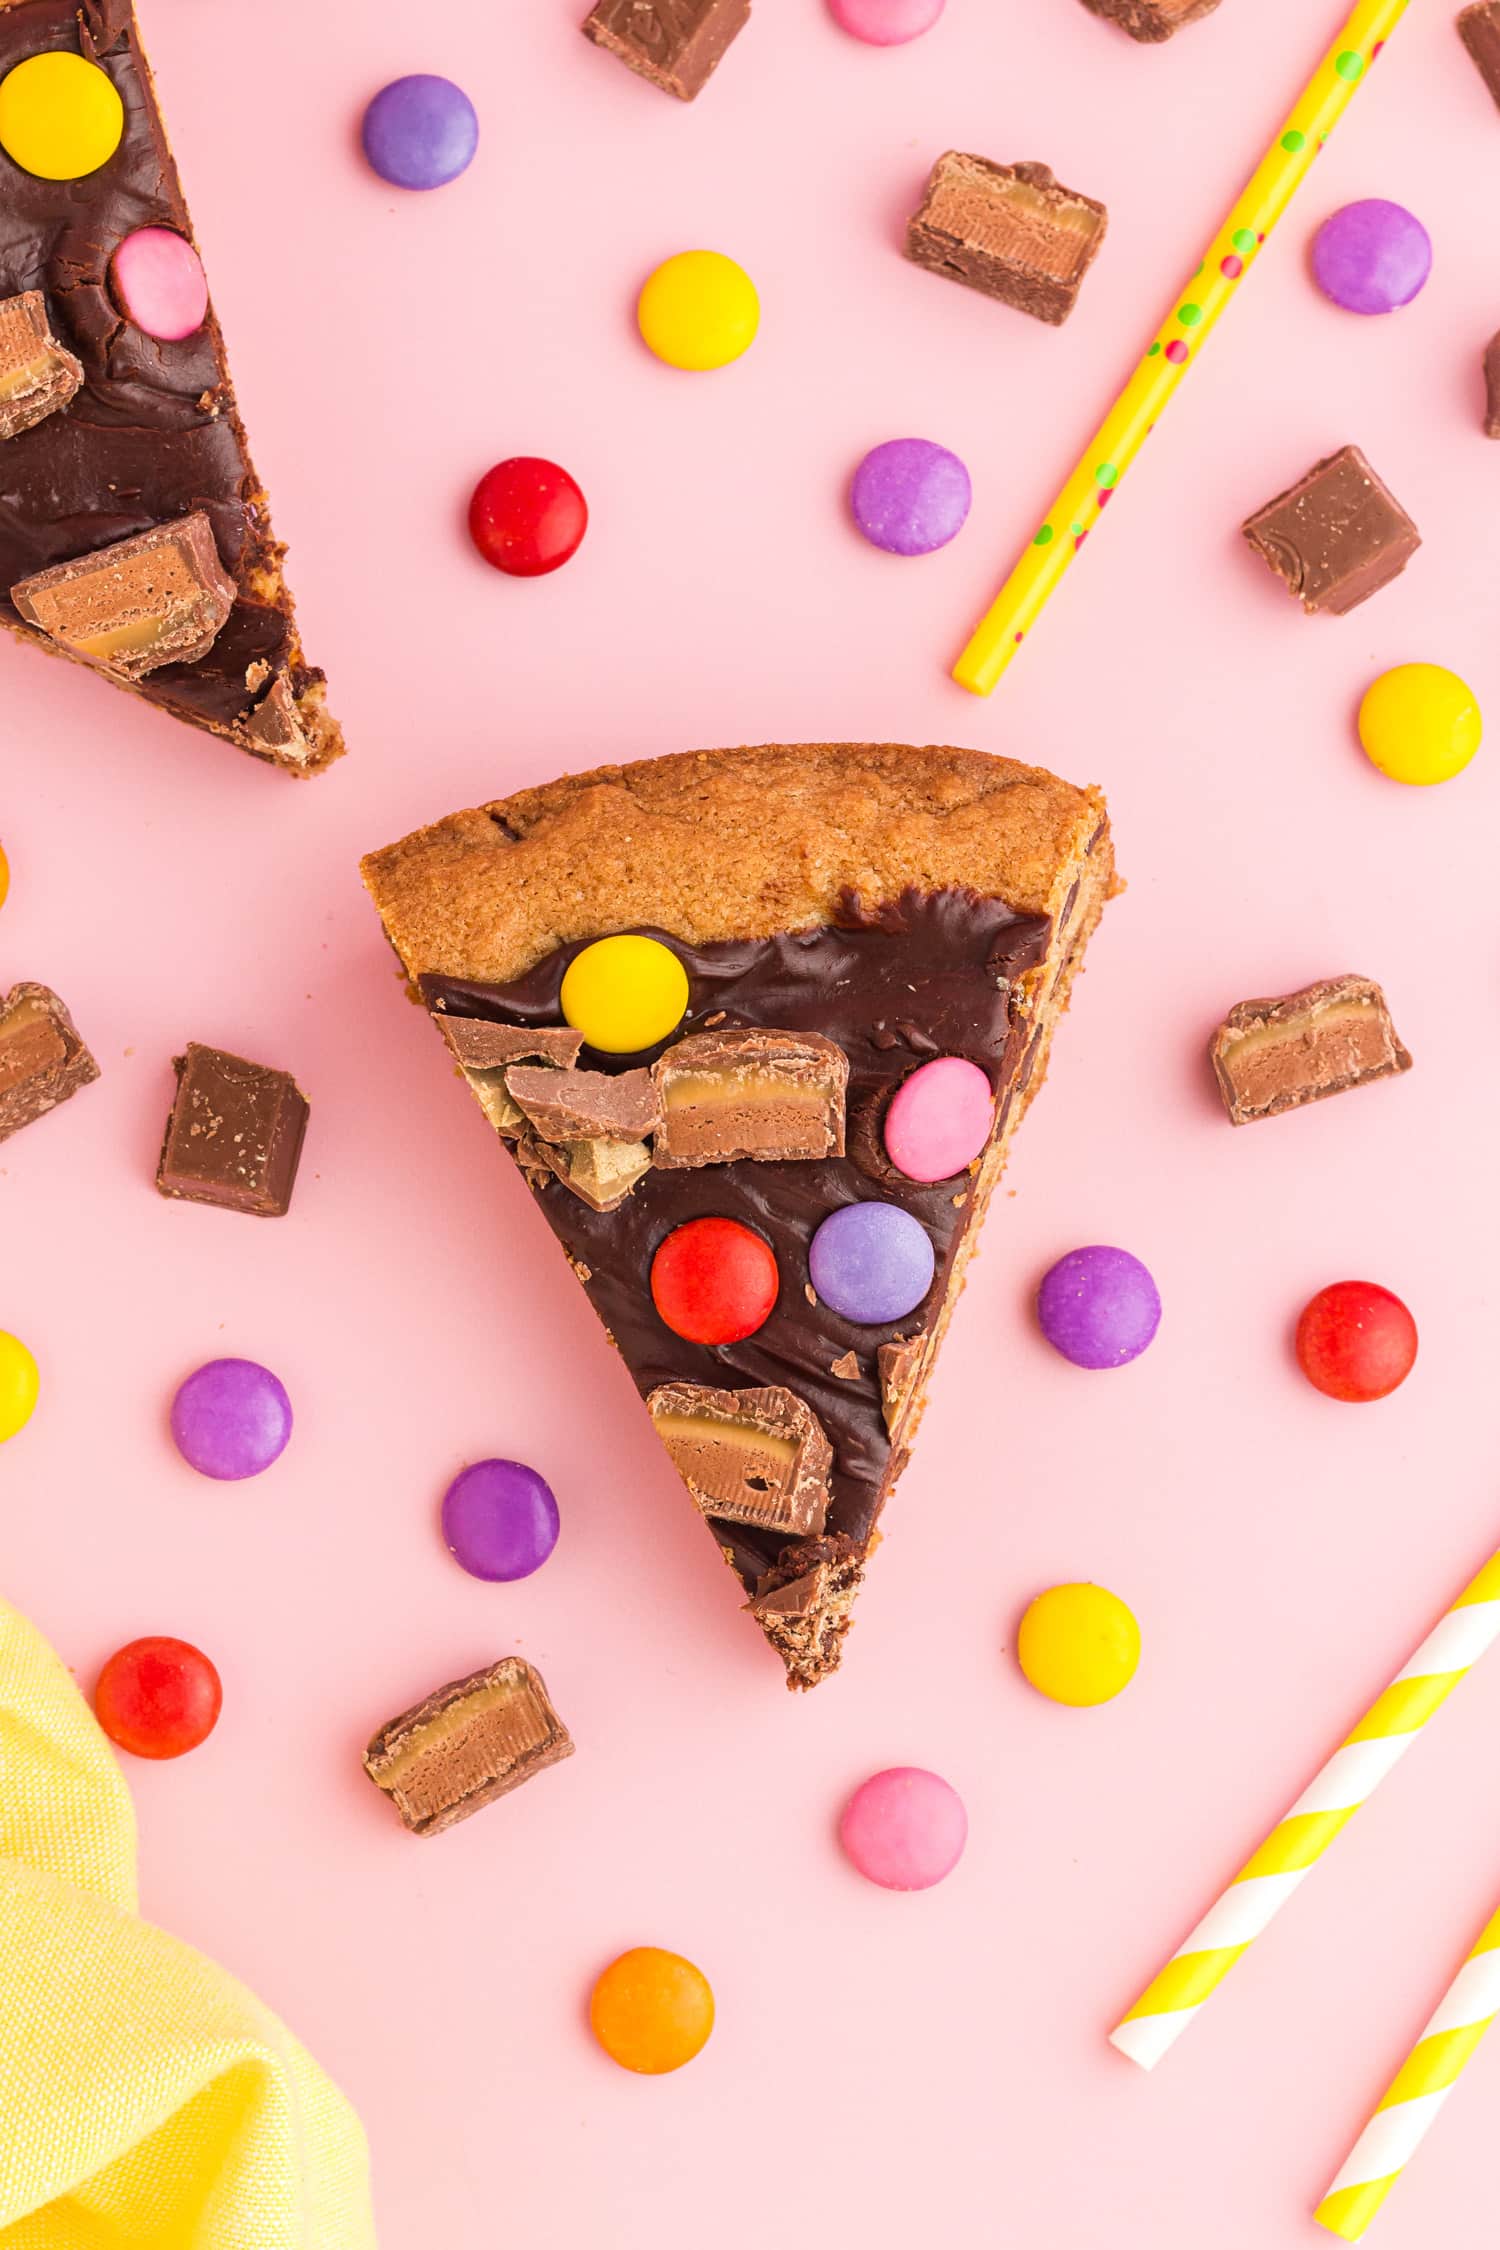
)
(154, 433)
(931, 974)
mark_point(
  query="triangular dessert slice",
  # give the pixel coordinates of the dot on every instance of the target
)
(848, 960)
(135, 535)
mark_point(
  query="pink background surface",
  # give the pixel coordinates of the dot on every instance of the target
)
(886, 2068)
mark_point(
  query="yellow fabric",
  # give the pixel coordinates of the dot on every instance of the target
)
(147, 2100)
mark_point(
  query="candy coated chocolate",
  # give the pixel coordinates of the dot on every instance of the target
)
(1099, 1307)
(500, 1520)
(652, 2011)
(939, 1119)
(698, 310)
(910, 496)
(885, 23)
(1079, 1645)
(19, 1384)
(625, 993)
(1371, 257)
(714, 1281)
(1356, 1342)
(905, 1829)
(1420, 724)
(872, 1262)
(420, 132)
(160, 283)
(158, 1697)
(60, 116)
(231, 1419)
(527, 517)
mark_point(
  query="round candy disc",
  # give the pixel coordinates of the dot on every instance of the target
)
(527, 517)
(420, 132)
(158, 1697)
(625, 994)
(905, 1828)
(1371, 257)
(910, 496)
(652, 2011)
(231, 1419)
(939, 1119)
(1356, 1342)
(872, 1262)
(699, 310)
(60, 117)
(885, 23)
(1420, 724)
(714, 1281)
(19, 1383)
(1099, 1307)
(500, 1520)
(160, 283)
(1079, 1644)
(4, 878)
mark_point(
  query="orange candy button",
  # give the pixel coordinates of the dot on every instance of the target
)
(652, 2011)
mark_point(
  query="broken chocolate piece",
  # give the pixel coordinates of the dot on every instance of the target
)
(42, 1059)
(805, 1612)
(846, 1367)
(160, 598)
(1009, 231)
(757, 1456)
(600, 1173)
(1273, 1055)
(901, 1364)
(1151, 19)
(676, 44)
(234, 1137)
(466, 1745)
(1479, 29)
(774, 1096)
(1336, 536)
(1492, 388)
(584, 1105)
(495, 1046)
(37, 377)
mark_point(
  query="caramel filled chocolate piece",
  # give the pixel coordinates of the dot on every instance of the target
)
(1273, 1055)
(42, 1059)
(584, 1105)
(1009, 231)
(600, 1173)
(1492, 388)
(1336, 536)
(37, 377)
(466, 1745)
(756, 1456)
(774, 1096)
(901, 1365)
(234, 1137)
(675, 44)
(1151, 19)
(1479, 29)
(160, 598)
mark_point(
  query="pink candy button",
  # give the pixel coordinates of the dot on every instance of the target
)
(160, 284)
(886, 23)
(940, 1119)
(905, 1829)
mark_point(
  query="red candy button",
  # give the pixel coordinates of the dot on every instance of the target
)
(714, 1281)
(158, 1697)
(1356, 1342)
(527, 517)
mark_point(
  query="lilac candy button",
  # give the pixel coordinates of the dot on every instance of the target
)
(500, 1520)
(160, 283)
(1099, 1307)
(1371, 257)
(871, 1262)
(420, 132)
(231, 1419)
(939, 1119)
(910, 496)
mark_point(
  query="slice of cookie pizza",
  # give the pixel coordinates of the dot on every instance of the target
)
(758, 1026)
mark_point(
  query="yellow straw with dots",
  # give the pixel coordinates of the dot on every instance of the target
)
(1227, 261)
(1294, 1847)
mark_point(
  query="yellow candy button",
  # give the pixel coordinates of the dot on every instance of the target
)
(60, 116)
(625, 993)
(1420, 724)
(4, 878)
(1079, 1644)
(18, 1385)
(699, 310)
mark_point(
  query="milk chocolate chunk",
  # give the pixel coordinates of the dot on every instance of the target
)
(160, 598)
(1009, 231)
(485, 1051)
(1273, 1055)
(42, 1059)
(584, 1105)
(234, 1137)
(1336, 536)
(900, 1364)
(676, 44)
(1479, 29)
(466, 1745)
(600, 1173)
(776, 1096)
(1492, 388)
(757, 1456)
(37, 377)
(1151, 19)
(802, 1606)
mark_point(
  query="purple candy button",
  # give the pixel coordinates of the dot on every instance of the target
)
(420, 132)
(910, 496)
(500, 1520)
(1371, 257)
(1099, 1307)
(231, 1419)
(871, 1262)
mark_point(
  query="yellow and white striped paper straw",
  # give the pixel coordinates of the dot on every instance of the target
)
(1419, 2090)
(1356, 1769)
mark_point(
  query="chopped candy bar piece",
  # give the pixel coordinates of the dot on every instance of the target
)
(37, 377)
(1479, 29)
(584, 1105)
(42, 1058)
(1272, 1055)
(1492, 388)
(901, 1365)
(772, 1095)
(803, 1607)
(495, 1046)
(1336, 536)
(160, 598)
(1151, 19)
(600, 1173)
(234, 1137)
(466, 1745)
(1009, 231)
(676, 44)
(756, 1456)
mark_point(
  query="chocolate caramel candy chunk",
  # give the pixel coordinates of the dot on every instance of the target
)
(234, 1138)
(803, 1606)
(901, 1365)
(37, 377)
(756, 1456)
(1009, 231)
(160, 598)
(485, 1051)
(466, 1745)
(1151, 19)
(42, 1059)
(1479, 29)
(1492, 388)
(1336, 536)
(676, 44)
(1271, 1055)
(584, 1105)
(776, 1096)
(600, 1173)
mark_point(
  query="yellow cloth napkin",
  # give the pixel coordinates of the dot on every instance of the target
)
(145, 2097)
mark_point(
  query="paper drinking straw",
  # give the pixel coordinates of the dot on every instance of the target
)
(1419, 2090)
(1228, 259)
(1354, 1772)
